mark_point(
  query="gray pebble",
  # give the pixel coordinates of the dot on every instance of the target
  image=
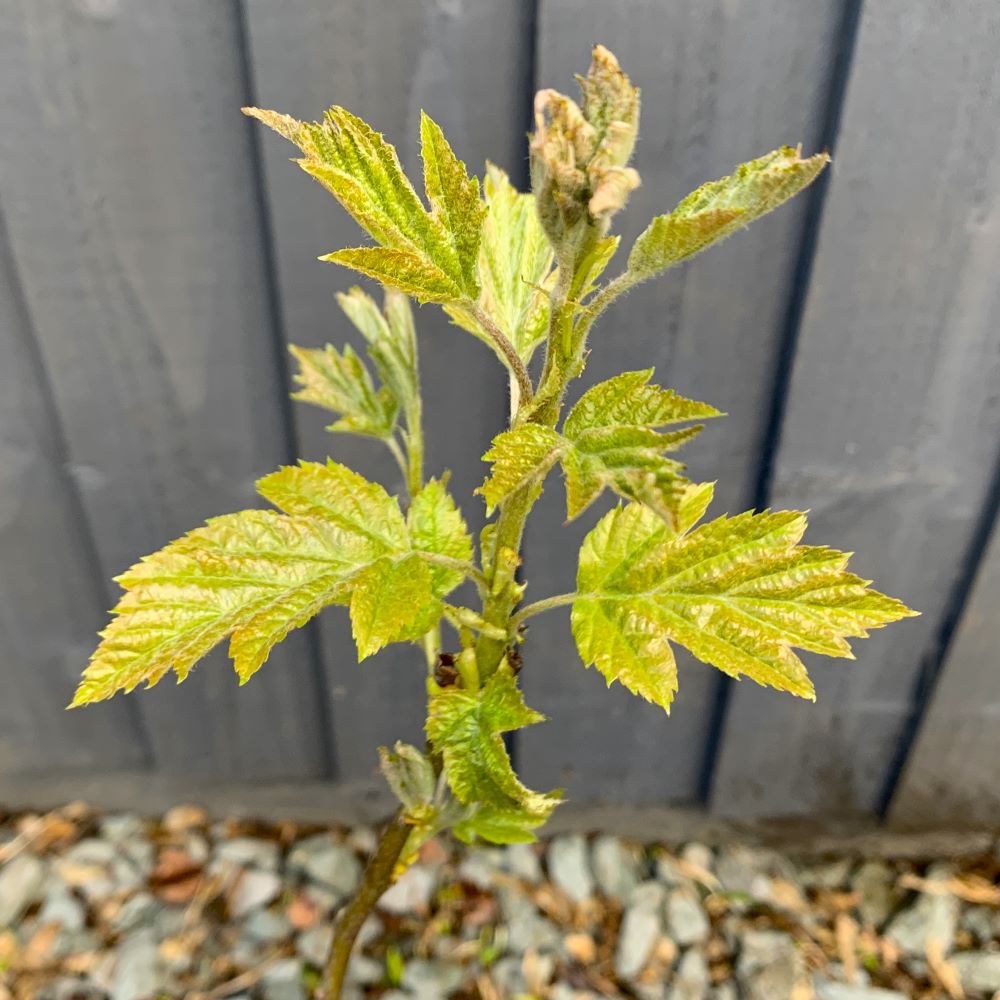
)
(569, 867)
(21, 883)
(63, 908)
(412, 891)
(253, 890)
(267, 927)
(521, 860)
(692, 980)
(137, 972)
(875, 881)
(933, 915)
(617, 867)
(841, 991)
(686, 920)
(327, 863)
(640, 930)
(283, 981)
(314, 944)
(245, 852)
(428, 980)
(979, 971)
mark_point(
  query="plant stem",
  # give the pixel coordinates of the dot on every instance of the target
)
(525, 388)
(377, 878)
(546, 604)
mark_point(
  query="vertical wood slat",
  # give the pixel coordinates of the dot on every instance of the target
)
(50, 604)
(125, 185)
(892, 419)
(721, 83)
(467, 64)
(951, 773)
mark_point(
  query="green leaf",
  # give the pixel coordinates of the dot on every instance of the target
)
(738, 592)
(719, 208)
(338, 494)
(392, 600)
(254, 575)
(615, 444)
(341, 383)
(504, 826)
(410, 775)
(401, 269)
(465, 728)
(390, 337)
(428, 254)
(609, 440)
(454, 198)
(436, 525)
(515, 261)
(520, 457)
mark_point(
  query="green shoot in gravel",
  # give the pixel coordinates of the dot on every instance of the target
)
(518, 271)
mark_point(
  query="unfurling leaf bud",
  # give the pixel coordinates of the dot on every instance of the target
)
(579, 155)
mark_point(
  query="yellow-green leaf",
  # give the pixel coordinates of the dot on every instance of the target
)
(454, 198)
(400, 269)
(719, 208)
(254, 575)
(436, 525)
(738, 592)
(340, 382)
(515, 261)
(465, 727)
(391, 600)
(520, 457)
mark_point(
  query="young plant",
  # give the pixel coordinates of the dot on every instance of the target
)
(518, 271)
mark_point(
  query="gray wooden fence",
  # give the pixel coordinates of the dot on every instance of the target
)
(157, 251)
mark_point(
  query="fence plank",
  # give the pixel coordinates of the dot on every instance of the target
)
(128, 194)
(721, 83)
(892, 420)
(50, 604)
(951, 775)
(468, 65)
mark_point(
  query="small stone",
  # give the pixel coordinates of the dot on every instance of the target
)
(840, 991)
(569, 867)
(65, 988)
(283, 981)
(526, 927)
(692, 978)
(21, 882)
(135, 911)
(185, 817)
(980, 922)
(647, 895)
(617, 868)
(640, 929)
(979, 971)
(63, 908)
(253, 890)
(411, 893)
(687, 923)
(933, 915)
(725, 991)
(314, 945)
(522, 861)
(245, 852)
(327, 863)
(874, 881)
(428, 980)
(365, 971)
(370, 931)
(479, 866)
(122, 827)
(362, 839)
(826, 875)
(137, 973)
(507, 975)
(267, 927)
(699, 855)
(769, 964)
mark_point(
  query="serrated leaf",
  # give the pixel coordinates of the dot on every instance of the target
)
(515, 264)
(454, 198)
(419, 252)
(410, 775)
(401, 269)
(738, 592)
(436, 525)
(340, 382)
(609, 440)
(254, 576)
(390, 337)
(392, 600)
(465, 727)
(719, 208)
(338, 494)
(504, 826)
(614, 443)
(520, 457)
(592, 266)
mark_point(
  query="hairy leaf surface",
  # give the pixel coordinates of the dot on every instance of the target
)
(609, 440)
(719, 208)
(436, 525)
(429, 254)
(465, 728)
(340, 382)
(515, 261)
(738, 592)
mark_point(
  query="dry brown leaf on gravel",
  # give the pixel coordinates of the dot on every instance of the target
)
(846, 931)
(944, 973)
(970, 887)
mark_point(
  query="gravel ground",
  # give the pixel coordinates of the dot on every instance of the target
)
(121, 907)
